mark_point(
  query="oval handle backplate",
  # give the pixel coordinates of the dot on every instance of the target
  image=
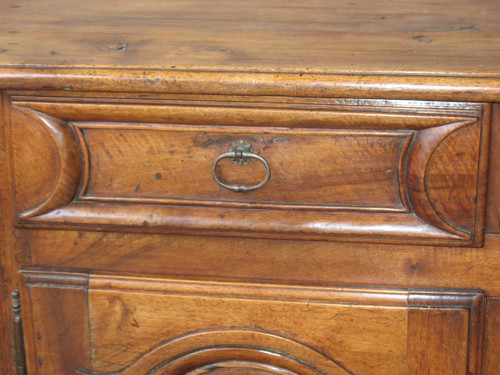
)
(241, 152)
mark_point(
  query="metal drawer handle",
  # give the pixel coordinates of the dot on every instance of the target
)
(241, 152)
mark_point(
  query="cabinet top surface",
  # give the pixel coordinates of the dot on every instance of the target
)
(404, 36)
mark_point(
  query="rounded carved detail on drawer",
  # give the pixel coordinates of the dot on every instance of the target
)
(59, 184)
(144, 166)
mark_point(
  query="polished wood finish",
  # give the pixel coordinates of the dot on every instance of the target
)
(447, 52)
(177, 326)
(356, 85)
(4, 355)
(492, 334)
(285, 261)
(374, 247)
(429, 166)
(57, 313)
(493, 215)
(277, 34)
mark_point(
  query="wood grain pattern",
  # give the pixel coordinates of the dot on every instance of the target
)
(276, 65)
(420, 181)
(9, 254)
(432, 353)
(36, 174)
(66, 157)
(282, 261)
(361, 85)
(245, 110)
(317, 169)
(4, 328)
(56, 325)
(442, 36)
(173, 326)
(493, 206)
(427, 334)
(491, 343)
(4, 355)
(457, 203)
(156, 176)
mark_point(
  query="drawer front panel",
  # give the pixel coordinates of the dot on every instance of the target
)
(156, 326)
(378, 173)
(323, 169)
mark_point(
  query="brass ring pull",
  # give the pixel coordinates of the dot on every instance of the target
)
(241, 152)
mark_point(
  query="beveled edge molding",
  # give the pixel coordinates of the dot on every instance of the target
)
(383, 85)
(176, 219)
(425, 143)
(80, 278)
(225, 344)
(400, 227)
(282, 112)
(36, 276)
(405, 136)
(472, 300)
(413, 297)
(62, 135)
(469, 299)
(421, 298)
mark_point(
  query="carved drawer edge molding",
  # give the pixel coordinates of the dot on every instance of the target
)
(68, 204)
(234, 340)
(428, 141)
(70, 161)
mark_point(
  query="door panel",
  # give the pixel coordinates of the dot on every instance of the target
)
(136, 325)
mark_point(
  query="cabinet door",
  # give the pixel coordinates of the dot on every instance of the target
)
(80, 323)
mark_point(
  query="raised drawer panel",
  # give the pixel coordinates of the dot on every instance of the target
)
(130, 325)
(379, 171)
(310, 170)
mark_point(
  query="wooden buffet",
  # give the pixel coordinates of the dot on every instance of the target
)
(250, 187)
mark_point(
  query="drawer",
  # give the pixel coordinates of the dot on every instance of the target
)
(80, 323)
(351, 170)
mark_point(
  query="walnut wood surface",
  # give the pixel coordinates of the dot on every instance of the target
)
(153, 172)
(492, 337)
(357, 85)
(493, 207)
(4, 328)
(176, 326)
(404, 50)
(320, 169)
(321, 66)
(49, 315)
(429, 350)
(441, 36)
(274, 260)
